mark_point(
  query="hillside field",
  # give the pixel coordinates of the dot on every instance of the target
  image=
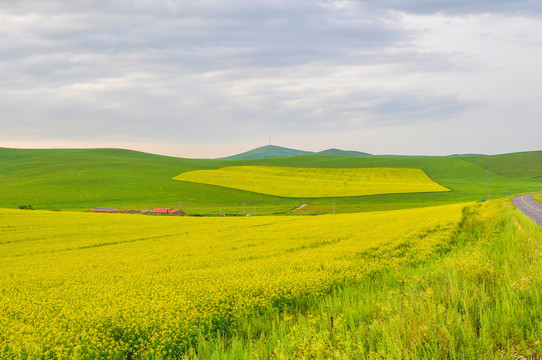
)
(82, 179)
(109, 285)
(438, 275)
(297, 182)
(436, 282)
(516, 165)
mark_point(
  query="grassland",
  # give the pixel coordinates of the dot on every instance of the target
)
(516, 165)
(296, 182)
(83, 179)
(116, 286)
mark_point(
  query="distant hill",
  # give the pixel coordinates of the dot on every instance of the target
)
(466, 155)
(81, 179)
(526, 164)
(338, 152)
(272, 151)
(267, 152)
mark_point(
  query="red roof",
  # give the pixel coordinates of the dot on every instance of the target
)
(163, 211)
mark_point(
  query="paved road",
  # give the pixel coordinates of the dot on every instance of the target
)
(529, 207)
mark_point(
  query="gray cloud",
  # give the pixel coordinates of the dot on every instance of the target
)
(208, 70)
(208, 34)
(523, 7)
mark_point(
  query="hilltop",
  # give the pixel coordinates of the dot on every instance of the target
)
(273, 151)
(339, 152)
(267, 152)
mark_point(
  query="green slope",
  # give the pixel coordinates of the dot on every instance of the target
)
(515, 165)
(338, 152)
(266, 152)
(83, 179)
(467, 181)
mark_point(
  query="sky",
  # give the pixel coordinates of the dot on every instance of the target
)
(212, 78)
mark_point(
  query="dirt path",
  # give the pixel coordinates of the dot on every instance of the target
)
(299, 207)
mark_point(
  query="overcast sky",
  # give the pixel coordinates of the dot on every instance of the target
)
(210, 78)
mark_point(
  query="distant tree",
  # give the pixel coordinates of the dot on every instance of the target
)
(26, 207)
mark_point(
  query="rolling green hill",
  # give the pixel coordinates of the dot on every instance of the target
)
(266, 152)
(80, 179)
(272, 151)
(338, 152)
(516, 165)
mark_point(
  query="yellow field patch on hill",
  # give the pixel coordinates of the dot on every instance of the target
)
(83, 285)
(316, 182)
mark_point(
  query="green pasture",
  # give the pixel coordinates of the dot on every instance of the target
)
(80, 179)
(515, 165)
(83, 179)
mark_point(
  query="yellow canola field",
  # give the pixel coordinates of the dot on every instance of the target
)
(83, 285)
(316, 182)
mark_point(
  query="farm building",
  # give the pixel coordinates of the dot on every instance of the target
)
(166, 211)
(157, 211)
